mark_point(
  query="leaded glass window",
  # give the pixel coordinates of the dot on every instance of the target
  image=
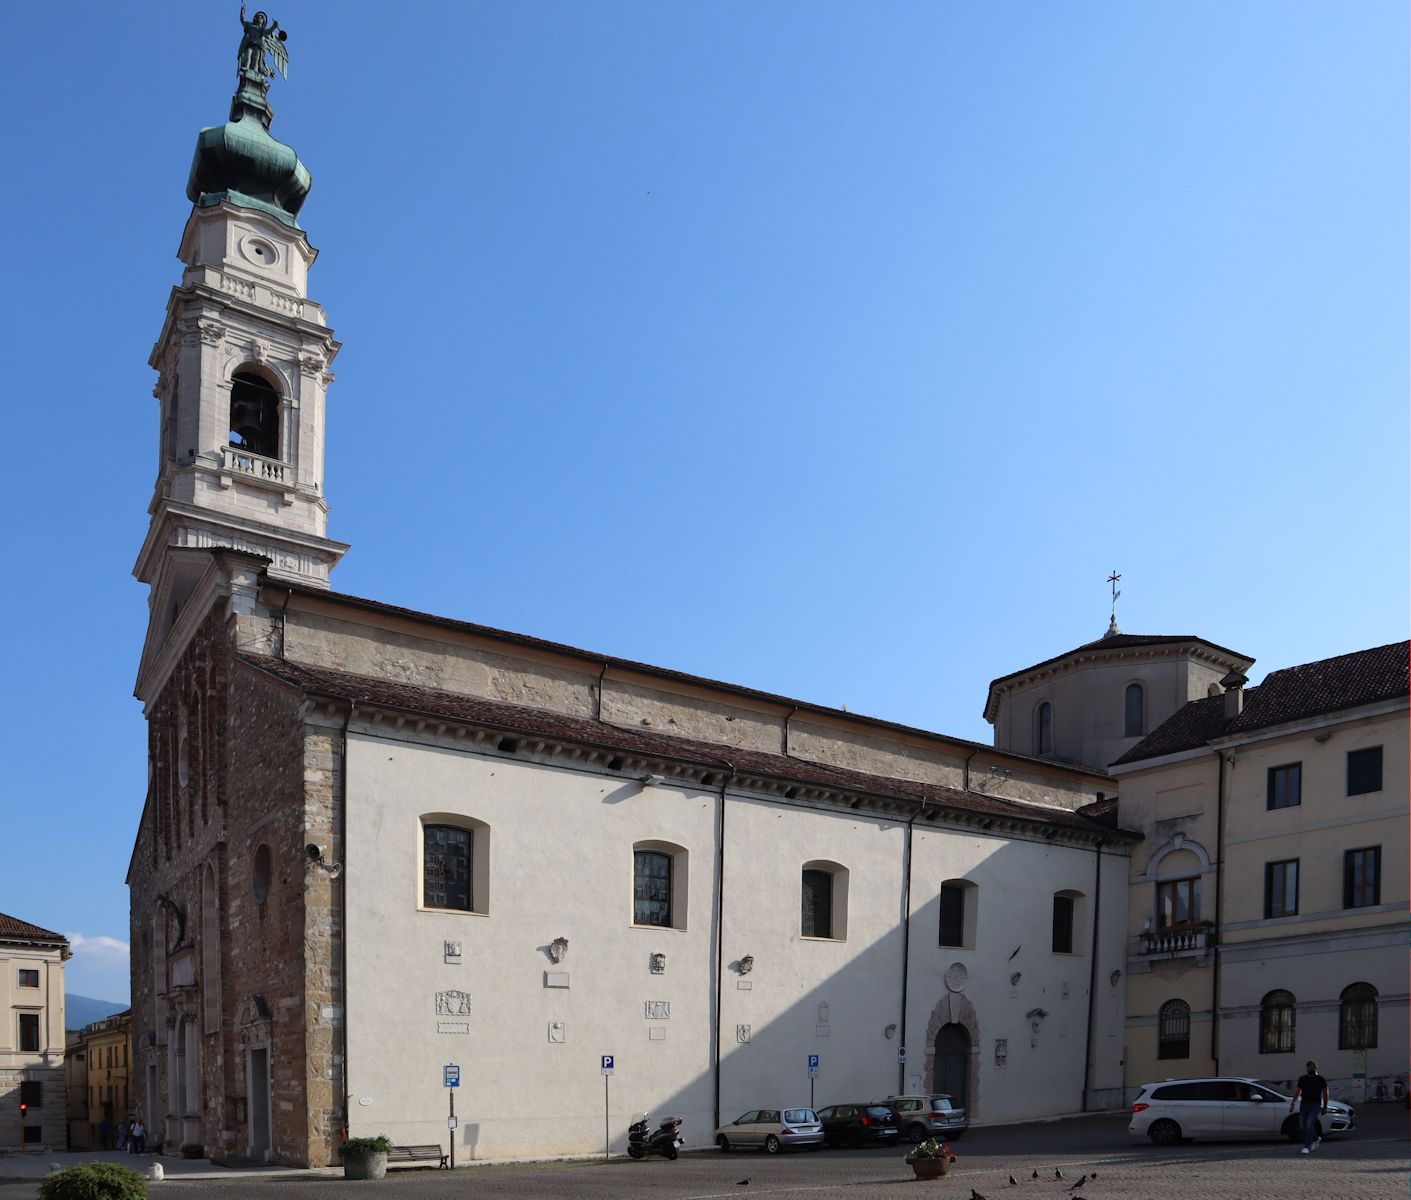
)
(651, 888)
(1174, 1030)
(1357, 1018)
(446, 867)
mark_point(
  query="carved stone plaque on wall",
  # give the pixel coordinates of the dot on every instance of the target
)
(454, 1003)
(956, 977)
(658, 1010)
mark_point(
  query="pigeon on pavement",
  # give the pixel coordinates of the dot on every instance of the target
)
(742, 1182)
(974, 1195)
(1012, 1181)
(1035, 1175)
(1057, 1174)
(1082, 1179)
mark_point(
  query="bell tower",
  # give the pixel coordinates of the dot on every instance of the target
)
(243, 357)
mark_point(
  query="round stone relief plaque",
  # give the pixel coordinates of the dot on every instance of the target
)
(956, 977)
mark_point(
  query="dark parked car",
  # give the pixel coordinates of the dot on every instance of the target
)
(858, 1124)
(936, 1115)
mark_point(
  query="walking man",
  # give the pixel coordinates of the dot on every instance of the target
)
(1311, 1096)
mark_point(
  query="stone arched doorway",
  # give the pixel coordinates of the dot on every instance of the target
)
(953, 1046)
(951, 1072)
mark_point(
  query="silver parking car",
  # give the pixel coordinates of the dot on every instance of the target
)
(771, 1129)
(933, 1115)
(1225, 1107)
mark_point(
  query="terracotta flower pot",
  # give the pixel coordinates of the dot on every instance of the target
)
(930, 1168)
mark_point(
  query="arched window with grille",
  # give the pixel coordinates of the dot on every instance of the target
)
(1276, 1023)
(1134, 711)
(1174, 1030)
(1357, 1017)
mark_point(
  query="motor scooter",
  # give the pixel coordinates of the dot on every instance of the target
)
(664, 1140)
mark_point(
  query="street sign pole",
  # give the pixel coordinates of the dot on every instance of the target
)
(812, 1075)
(608, 1062)
(451, 1079)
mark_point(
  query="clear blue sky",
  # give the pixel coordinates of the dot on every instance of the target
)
(839, 350)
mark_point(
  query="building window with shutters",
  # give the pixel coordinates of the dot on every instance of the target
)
(1364, 771)
(1285, 786)
(1174, 1030)
(1362, 877)
(1281, 889)
(29, 1032)
(1276, 1023)
(1178, 904)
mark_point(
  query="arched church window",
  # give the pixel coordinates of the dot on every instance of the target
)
(1043, 728)
(1135, 714)
(254, 415)
(1277, 1014)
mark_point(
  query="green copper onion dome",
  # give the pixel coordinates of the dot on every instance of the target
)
(239, 161)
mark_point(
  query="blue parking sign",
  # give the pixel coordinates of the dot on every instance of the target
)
(452, 1076)
(607, 1064)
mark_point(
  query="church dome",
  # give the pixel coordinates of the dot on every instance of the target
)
(239, 161)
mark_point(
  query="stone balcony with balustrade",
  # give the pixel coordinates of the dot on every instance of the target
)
(238, 463)
(1152, 947)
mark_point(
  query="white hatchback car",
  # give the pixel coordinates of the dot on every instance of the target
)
(1228, 1107)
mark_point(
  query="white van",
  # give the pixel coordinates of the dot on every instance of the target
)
(1231, 1107)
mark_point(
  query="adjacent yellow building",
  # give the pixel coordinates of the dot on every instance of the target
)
(1267, 907)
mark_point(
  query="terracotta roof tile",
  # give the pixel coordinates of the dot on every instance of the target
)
(1294, 694)
(514, 718)
(13, 929)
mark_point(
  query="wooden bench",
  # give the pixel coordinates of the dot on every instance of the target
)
(409, 1154)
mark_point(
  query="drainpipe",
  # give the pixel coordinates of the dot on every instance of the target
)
(284, 623)
(965, 770)
(343, 895)
(720, 935)
(598, 714)
(1219, 907)
(1092, 968)
(787, 719)
(906, 940)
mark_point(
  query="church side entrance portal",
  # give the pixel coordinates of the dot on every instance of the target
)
(952, 1071)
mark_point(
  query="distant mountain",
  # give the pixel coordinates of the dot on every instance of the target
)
(84, 1010)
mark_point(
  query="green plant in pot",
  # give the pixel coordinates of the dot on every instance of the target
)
(931, 1159)
(365, 1157)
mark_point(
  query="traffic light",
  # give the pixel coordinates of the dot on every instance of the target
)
(24, 1108)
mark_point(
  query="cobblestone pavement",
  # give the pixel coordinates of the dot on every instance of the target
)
(1370, 1165)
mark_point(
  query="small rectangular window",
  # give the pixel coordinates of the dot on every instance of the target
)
(1063, 924)
(1364, 771)
(1281, 888)
(1286, 786)
(1362, 877)
(32, 1135)
(952, 915)
(32, 1092)
(29, 978)
(29, 1031)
